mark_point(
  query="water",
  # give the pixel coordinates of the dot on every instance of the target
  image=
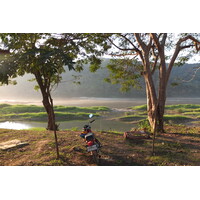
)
(105, 122)
(15, 125)
(100, 124)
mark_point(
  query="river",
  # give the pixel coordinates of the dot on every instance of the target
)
(118, 105)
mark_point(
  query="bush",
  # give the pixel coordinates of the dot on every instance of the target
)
(144, 124)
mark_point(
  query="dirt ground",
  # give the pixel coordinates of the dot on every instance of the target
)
(179, 146)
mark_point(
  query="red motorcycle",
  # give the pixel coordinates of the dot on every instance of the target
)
(92, 143)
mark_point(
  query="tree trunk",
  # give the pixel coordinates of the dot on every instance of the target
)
(50, 112)
(151, 97)
(48, 105)
(46, 100)
(155, 108)
(160, 117)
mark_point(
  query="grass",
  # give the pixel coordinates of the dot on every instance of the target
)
(6, 109)
(72, 129)
(42, 116)
(142, 107)
(73, 109)
(177, 118)
(180, 145)
(180, 113)
(183, 106)
(37, 129)
(37, 113)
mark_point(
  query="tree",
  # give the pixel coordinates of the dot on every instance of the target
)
(141, 54)
(44, 56)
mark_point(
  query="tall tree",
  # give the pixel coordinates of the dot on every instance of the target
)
(45, 56)
(141, 54)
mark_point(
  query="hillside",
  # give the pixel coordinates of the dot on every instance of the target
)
(93, 85)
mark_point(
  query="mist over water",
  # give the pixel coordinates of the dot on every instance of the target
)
(94, 101)
(118, 105)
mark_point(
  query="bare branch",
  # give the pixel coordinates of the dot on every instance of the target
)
(193, 75)
(139, 40)
(125, 54)
(161, 44)
(135, 48)
(154, 65)
(178, 49)
(122, 49)
(187, 46)
(156, 40)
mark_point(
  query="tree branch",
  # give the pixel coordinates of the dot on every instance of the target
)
(193, 75)
(121, 49)
(154, 65)
(135, 48)
(178, 49)
(139, 40)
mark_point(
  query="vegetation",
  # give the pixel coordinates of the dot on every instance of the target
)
(174, 114)
(180, 145)
(48, 56)
(37, 113)
(44, 56)
(141, 55)
(96, 87)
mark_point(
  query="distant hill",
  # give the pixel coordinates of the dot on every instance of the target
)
(93, 85)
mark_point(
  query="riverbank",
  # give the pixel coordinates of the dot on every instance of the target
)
(112, 119)
(38, 113)
(180, 145)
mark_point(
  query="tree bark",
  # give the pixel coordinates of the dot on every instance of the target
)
(46, 100)
(50, 112)
(48, 105)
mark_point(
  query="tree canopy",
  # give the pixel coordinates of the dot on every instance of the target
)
(141, 54)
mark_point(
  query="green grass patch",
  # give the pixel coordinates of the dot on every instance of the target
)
(4, 105)
(142, 107)
(74, 109)
(7, 109)
(37, 129)
(182, 106)
(114, 132)
(42, 116)
(177, 118)
(192, 113)
(72, 129)
(180, 113)
(37, 113)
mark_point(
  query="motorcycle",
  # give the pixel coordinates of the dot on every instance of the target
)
(92, 143)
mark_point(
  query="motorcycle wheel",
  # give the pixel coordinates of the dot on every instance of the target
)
(96, 157)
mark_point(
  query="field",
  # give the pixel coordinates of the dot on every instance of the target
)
(180, 145)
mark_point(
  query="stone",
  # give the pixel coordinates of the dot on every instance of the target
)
(12, 144)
